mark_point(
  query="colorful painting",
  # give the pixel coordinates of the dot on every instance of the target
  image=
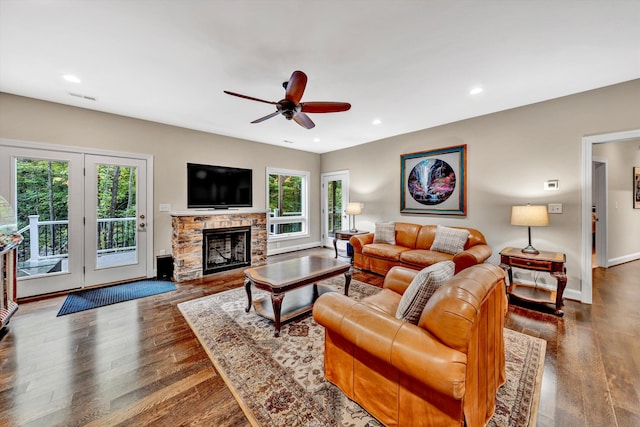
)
(434, 181)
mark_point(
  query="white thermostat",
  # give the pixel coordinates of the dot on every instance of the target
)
(552, 184)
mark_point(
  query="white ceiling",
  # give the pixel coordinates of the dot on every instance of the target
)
(408, 63)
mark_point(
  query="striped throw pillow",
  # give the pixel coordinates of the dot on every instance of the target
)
(422, 287)
(385, 233)
(449, 240)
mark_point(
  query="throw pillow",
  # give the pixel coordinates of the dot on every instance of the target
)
(385, 233)
(449, 240)
(422, 287)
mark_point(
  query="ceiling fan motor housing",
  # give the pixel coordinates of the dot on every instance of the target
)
(287, 108)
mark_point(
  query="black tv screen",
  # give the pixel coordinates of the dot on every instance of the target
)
(218, 187)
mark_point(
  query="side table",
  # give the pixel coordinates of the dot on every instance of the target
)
(345, 235)
(551, 262)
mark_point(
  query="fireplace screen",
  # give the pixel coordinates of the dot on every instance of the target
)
(225, 249)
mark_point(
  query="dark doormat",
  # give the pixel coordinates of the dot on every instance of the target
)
(98, 297)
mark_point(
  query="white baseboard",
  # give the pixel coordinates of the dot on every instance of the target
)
(278, 251)
(621, 260)
(572, 294)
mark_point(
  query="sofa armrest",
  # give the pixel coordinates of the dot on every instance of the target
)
(398, 279)
(474, 255)
(359, 240)
(406, 347)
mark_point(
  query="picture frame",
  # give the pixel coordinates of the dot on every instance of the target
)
(434, 181)
(636, 187)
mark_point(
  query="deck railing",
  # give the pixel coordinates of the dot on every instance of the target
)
(49, 239)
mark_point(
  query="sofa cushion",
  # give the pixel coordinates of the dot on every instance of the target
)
(384, 251)
(426, 282)
(385, 233)
(449, 240)
(423, 258)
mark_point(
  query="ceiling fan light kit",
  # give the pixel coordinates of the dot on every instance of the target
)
(291, 108)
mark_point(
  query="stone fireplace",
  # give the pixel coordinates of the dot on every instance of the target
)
(189, 244)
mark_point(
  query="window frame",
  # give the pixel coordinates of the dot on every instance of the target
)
(303, 218)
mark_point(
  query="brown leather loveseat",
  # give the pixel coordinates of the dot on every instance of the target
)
(444, 371)
(412, 249)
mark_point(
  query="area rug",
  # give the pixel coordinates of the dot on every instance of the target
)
(280, 381)
(99, 297)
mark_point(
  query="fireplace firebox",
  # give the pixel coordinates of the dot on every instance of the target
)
(225, 249)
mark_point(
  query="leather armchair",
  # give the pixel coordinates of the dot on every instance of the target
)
(444, 371)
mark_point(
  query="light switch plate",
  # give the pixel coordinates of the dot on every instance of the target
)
(555, 208)
(164, 207)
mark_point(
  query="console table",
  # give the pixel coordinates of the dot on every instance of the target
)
(8, 261)
(551, 262)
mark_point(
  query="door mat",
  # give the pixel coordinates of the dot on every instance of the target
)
(99, 297)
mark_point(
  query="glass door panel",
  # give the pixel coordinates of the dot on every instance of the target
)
(116, 215)
(335, 196)
(43, 216)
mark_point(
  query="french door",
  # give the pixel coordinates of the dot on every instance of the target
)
(335, 196)
(83, 217)
(116, 219)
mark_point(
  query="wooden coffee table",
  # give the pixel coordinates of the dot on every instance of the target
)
(292, 278)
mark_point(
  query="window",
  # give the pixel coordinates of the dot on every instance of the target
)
(288, 203)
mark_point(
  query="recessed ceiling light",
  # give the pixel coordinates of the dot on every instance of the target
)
(376, 121)
(476, 90)
(316, 139)
(71, 78)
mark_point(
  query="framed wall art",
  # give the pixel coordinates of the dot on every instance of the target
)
(636, 187)
(434, 182)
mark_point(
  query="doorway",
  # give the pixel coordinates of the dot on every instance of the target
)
(84, 216)
(599, 213)
(335, 196)
(587, 204)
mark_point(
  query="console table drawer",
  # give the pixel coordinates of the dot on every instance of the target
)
(531, 264)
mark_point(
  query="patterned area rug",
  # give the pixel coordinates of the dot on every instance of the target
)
(280, 381)
(98, 297)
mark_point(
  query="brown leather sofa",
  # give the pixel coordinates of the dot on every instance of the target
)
(412, 250)
(444, 371)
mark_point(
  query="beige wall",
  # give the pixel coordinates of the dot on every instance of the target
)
(510, 155)
(623, 221)
(172, 147)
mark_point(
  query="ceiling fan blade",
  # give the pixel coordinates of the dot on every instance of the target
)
(262, 119)
(249, 97)
(295, 87)
(303, 120)
(324, 107)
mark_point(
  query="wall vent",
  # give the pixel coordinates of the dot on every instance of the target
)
(78, 95)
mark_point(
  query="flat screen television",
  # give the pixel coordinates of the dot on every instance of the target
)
(218, 187)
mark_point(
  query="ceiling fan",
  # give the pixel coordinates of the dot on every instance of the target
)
(291, 107)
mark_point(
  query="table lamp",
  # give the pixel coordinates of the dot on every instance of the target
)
(352, 210)
(529, 216)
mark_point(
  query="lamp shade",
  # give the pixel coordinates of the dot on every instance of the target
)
(353, 209)
(530, 216)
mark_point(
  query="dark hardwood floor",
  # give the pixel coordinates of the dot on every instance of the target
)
(138, 363)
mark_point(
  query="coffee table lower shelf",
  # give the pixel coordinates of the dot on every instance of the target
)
(296, 303)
